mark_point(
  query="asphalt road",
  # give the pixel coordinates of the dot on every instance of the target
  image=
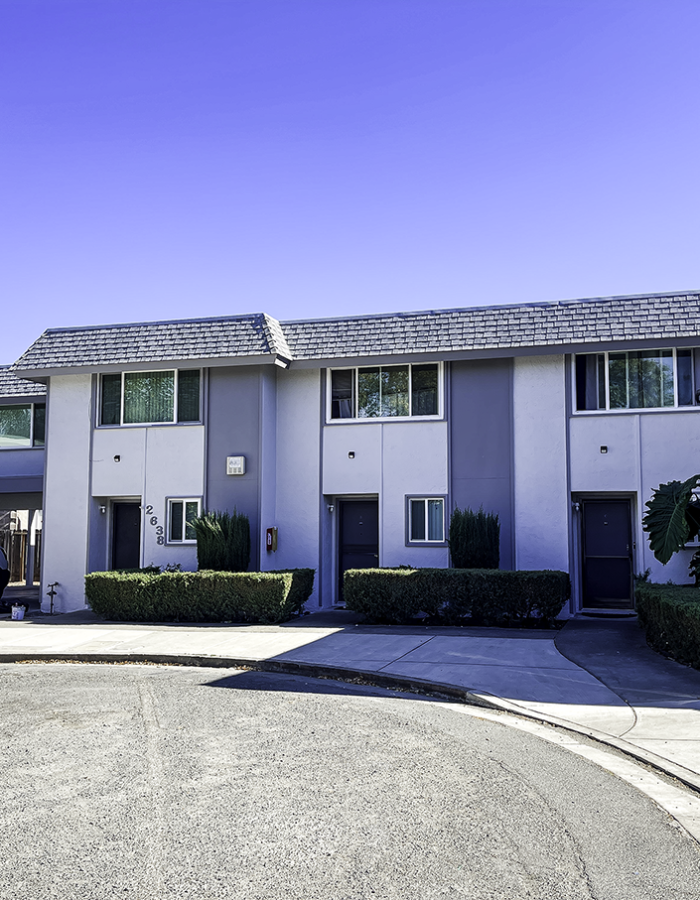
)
(156, 782)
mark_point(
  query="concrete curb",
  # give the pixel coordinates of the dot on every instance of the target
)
(437, 690)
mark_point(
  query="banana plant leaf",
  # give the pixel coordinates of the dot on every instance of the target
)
(672, 517)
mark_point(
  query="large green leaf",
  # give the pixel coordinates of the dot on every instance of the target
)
(667, 517)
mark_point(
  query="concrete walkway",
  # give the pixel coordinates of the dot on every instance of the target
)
(595, 676)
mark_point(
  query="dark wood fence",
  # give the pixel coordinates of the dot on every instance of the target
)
(15, 544)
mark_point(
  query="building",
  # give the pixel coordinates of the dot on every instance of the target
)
(355, 437)
(22, 433)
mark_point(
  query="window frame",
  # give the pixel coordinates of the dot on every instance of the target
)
(176, 381)
(369, 419)
(635, 410)
(184, 541)
(424, 542)
(32, 406)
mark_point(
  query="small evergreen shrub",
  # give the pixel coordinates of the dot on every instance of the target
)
(489, 596)
(204, 596)
(223, 541)
(474, 539)
(670, 615)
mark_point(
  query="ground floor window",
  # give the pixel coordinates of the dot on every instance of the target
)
(426, 519)
(181, 514)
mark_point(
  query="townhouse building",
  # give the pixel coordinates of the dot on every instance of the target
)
(349, 441)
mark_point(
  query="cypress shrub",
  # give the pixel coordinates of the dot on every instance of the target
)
(474, 539)
(223, 541)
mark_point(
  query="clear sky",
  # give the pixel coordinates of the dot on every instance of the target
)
(179, 158)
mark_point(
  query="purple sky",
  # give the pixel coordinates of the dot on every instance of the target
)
(307, 158)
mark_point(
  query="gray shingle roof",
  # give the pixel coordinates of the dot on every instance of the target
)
(648, 319)
(12, 386)
(146, 342)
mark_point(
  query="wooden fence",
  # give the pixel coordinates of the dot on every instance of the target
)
(16, 544)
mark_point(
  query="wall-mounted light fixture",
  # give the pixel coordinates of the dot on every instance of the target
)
(331, 508)
(576, 506)
(351, 454)
(603, 449)
(103, 509)
(117, 458)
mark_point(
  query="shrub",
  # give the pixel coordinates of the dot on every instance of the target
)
(205, 596)
(474, 539)
(670, 615)
(491, 596)
(223, 541)
(399, 595)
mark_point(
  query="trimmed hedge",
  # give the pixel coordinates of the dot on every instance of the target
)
(205, 596)
(489, 596)
(670, 615)
(398, 595)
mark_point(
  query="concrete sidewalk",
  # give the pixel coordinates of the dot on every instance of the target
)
(595, 676)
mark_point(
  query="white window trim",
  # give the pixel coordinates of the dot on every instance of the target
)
(369, 419)
(637, 409)
(31, 445)
(123, 424)
(426, 541)
(185, 541)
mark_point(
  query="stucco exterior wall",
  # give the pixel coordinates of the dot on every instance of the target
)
(392, 460)
(541, 497)
(481, 442)
(67, 503)
(233, 428)
(644, 449)
(298, 487)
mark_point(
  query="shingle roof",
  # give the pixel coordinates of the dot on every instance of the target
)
(146, 342)
(12, 386)
(611, 320)
(649, 318)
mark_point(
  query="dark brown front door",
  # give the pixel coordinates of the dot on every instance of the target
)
(126, 535)
(358, 539)
(607, 554)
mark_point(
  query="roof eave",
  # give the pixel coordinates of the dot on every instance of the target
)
(43, 374)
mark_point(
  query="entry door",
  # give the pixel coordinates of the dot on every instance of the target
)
(607, 554)
(126, 535)
(358, 540)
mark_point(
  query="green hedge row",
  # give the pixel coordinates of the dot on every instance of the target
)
(670, 615)
(205, 596)
(488, 596)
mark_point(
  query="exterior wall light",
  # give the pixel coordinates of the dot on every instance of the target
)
(351, 454)
(103, 509)
(603, 449)
(117, 458)
(331, 508)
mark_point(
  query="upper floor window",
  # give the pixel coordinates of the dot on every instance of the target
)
(639, 379)
(131, 398)
(23, 425)
(382, 392)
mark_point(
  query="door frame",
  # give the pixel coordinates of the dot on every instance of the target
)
(335, 500)
(111, 503)
(577, 499)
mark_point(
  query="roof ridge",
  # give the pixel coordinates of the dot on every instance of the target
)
(536, 304)
(276, 338)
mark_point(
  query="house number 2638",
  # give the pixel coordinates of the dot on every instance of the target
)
(160, 536)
